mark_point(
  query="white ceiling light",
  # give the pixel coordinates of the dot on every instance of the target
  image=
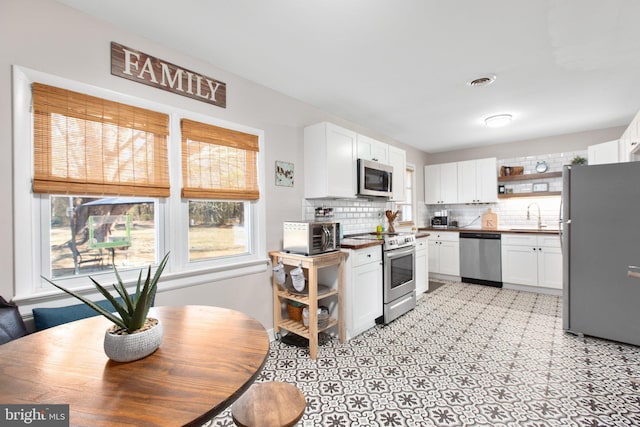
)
(498, 121)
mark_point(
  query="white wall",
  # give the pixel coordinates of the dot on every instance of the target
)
(551, 144)
(46, 36)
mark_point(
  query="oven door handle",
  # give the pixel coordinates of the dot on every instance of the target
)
(400, 252)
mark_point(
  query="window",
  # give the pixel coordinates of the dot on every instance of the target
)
(85, 145)
(218, 164)
(406, 207)
(217, 229)
(89, 235)
(89, 145)
(99, 173)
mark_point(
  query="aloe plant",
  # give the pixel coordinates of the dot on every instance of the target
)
(133, 311)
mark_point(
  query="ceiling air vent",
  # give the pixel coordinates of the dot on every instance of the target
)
(482, 81)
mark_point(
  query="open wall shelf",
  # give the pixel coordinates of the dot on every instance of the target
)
(530, 176)
(532, 194)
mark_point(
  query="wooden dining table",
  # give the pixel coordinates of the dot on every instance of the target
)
(208, 357)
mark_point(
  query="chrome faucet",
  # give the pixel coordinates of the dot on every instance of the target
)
(529, 214)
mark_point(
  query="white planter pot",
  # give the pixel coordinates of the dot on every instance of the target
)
(129, 347)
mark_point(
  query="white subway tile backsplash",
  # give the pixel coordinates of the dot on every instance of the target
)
(361, 216)
(355, 216)
(513, 212)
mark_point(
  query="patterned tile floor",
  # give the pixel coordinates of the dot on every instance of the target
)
(468, 355)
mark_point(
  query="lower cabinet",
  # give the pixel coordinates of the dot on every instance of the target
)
(363, 303)
(444, 253)
(532, 260)
(422, 266)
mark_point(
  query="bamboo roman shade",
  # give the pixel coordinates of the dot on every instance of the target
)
(218, 163)
(93, 146)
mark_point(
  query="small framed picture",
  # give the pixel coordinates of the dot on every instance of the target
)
(540, 187)
(284, 174)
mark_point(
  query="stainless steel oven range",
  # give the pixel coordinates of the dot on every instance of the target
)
(398, 269)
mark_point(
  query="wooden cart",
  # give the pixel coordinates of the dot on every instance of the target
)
(311, 265)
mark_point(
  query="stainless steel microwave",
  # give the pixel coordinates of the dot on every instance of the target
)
(310, 237)
(374, 179)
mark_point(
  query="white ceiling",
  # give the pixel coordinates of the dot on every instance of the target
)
(401, 67)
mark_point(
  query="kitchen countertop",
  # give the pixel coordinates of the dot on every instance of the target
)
(499, 230)
(348, 243)
(351, 243)
(375, 240)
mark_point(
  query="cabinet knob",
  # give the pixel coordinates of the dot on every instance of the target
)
(540, 249)
(368, 255)
(534, 249)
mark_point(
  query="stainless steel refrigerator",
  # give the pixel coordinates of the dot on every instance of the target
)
(600, 227)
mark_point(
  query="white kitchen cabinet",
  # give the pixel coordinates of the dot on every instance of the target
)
(550, 267)
(478, 181)
(605, 152)
(444, 253)
(532, 260)
(630, 141)
(363, 289)
(371, 149)
(441, 183)
(398, 159)
(422, 266)
(329, 162)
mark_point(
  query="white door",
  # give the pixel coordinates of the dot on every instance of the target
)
(606, 152)
(487, 180)
(449, 182)
(432, 193)
(434, 256)
(520, 265)
(367, 296)
(467, 182)
(450, 258)
(550, 267)
(371, 149)
(422, 266)
(341, 168)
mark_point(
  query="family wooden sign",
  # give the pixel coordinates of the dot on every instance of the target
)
(139, 67)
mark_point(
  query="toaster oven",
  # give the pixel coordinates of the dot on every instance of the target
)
(310, 237)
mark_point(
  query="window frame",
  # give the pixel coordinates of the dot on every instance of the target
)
(412, 202)
(31, 236)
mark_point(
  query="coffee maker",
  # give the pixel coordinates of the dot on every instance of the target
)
(440, 219)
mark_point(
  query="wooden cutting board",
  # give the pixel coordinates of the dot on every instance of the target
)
(489, 220)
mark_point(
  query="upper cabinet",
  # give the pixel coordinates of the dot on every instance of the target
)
(329, 162)
(630, 141)
(441, 183)
(370, 149)
(478, 181)
(331, 153)
(607, 152)
(398, 159)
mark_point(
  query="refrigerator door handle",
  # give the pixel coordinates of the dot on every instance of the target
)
(632, 273)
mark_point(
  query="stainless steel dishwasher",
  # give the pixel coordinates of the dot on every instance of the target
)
(480, 258)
